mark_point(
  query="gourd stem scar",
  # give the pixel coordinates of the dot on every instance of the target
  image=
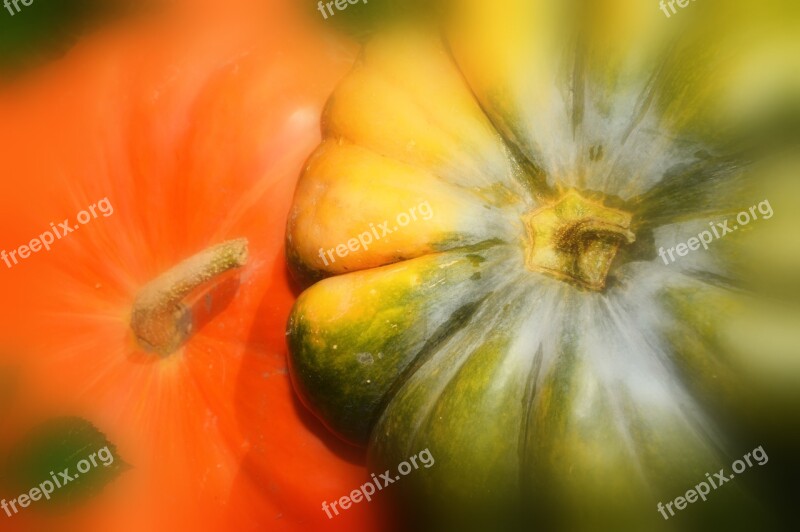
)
(166, 310)
(575, 240)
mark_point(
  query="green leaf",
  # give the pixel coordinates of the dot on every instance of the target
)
(364, 18)
(71, 446)
(45, 29)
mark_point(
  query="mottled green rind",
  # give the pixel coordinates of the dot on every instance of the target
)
(472, 402)
(737, 381)
(699, 314)
(463, 405)
(346, 372)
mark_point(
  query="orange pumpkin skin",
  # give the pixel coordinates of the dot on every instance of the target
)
(195, 133)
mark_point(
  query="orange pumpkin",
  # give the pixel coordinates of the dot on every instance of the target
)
(194, 133)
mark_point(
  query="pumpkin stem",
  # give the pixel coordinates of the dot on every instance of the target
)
(165, 311)
(576, 240)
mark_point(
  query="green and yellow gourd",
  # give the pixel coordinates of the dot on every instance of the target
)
(527, 332)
